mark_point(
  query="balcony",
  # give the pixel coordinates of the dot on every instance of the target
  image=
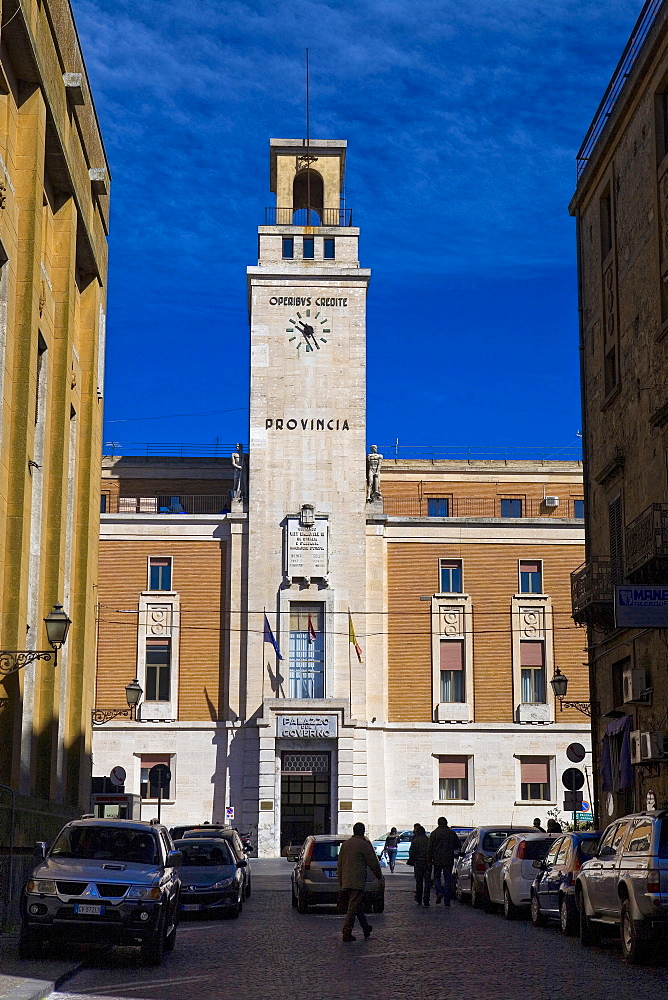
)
(165, 504)
(308, 217)
(475, 507)
(647, 546)
(592, 594)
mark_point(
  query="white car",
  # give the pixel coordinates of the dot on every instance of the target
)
(511, 874)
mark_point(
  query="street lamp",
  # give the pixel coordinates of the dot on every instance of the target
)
(133, 693)
(559, 684)
(57, 626)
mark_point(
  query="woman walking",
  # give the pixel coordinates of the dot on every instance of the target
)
(391, 846)
(417, 857)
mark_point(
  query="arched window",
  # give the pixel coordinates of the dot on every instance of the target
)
(307, 192)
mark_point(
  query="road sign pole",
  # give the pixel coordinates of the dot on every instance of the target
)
(591, 801)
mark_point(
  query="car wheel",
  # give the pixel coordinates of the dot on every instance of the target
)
(567, 918)
(31, 945)
(379, 904)
(477, 897)
(510, 911)
(302, 903)
(588, 932)
(537, 918)
(248, 889)
(293, 897)
(234, 911)
(485, 900)
(153, 947)
(459, 895)
(635, 948)
(170, 939)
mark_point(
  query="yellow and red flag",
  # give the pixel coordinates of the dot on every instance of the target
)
(353, 638)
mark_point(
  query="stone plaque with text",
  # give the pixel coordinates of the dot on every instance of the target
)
(300, 727)
(306, 549)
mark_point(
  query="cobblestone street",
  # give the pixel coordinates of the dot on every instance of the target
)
(272, 951)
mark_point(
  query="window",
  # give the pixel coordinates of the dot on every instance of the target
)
(610, 370)
(438, 507)
(453, 778)
(39, 390)
(158, 669)
(532, 663)
(511, 508)
(531, 577)
(606, 224)
(451, 576)
(641, 838)
(307, 651)
(309, 244)
(160, 573)
(104, 499)
(551, 856)
(535, 779)
(578, 508)
(616, 543)
(288, 247)
(452, 670)
(328, 249)
(147, 788)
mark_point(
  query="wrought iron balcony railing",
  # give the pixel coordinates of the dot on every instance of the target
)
(647, 545)
(308, 217)
(592, 594)
(165, 504)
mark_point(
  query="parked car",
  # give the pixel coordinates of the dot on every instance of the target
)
(315, 880)
(233, 838)
(110, 881)
(292, 852)
(403, 845)
(553, 890)
(212, 877)
(477, 852)
(511, 874)
(625, 885)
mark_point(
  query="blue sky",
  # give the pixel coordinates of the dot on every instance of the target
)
(463, 120)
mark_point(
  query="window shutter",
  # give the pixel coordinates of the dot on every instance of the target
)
(531, 654)
(452, 654)
(451, 767)
(529, 567)
(534, 772)
(616, 544)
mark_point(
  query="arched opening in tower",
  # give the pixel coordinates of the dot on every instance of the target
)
(307, 192)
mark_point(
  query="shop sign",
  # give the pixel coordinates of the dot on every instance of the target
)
(307, 727)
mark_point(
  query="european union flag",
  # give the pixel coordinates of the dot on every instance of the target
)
(269, 637)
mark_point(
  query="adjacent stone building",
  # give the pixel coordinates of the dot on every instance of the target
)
(324, 634)
(54, 194)
(621, 210)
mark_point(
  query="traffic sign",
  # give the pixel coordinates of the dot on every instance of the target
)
(573, 778)
(229, 813)
(572, 802)
(117, 775)
(575, 752)
(160, 775)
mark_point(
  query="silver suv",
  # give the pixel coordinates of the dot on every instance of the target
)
(104, 880)
(315, 876)
(625, 884)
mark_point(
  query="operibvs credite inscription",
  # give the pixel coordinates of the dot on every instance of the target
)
(306, 424)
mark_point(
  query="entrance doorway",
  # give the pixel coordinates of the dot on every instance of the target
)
(305, 796)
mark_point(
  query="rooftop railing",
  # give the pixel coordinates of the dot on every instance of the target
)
(476, 453)
(168, 449)
(473, 507)
(308, 217)
(163, 503)
(640, 32)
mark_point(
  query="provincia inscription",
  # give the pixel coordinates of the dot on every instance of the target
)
(309, 727)
(306, 424)
(306, 548)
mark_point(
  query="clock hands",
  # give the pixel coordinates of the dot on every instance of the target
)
(309, 335)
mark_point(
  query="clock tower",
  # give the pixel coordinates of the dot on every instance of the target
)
(307, 498)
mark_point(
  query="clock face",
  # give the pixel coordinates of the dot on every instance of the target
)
(306, 330)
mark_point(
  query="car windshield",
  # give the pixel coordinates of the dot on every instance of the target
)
(587, 848)
(535, 849)
(111, 843)
(204, 853)
(325, 851)
(492, 841)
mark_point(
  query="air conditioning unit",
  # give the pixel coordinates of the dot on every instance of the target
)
(652, 746)
(634, 682)
(551, 501)
(636, 746)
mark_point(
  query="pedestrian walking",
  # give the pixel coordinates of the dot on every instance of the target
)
(356, 855)
(391, 847)
(536, 825)
(417, 857)
(443, 846)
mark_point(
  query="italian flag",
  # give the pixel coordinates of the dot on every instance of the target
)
(353, 638)
(311, 631)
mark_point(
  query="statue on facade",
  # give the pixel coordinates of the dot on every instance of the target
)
(239, 468)
(373, 463)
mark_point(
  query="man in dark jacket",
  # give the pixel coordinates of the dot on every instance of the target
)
(443, 845)
(417, 857)
(356, 855)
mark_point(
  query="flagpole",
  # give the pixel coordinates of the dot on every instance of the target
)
(350, 667)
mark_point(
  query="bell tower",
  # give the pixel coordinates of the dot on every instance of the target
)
(307, 473)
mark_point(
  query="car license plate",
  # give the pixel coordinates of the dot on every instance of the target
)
(88, 910)
(189, 907)
(331, 874)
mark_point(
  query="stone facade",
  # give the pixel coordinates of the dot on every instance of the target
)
(621, 211)
(54, 211)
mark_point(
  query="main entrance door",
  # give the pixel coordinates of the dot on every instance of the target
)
(305, 796)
